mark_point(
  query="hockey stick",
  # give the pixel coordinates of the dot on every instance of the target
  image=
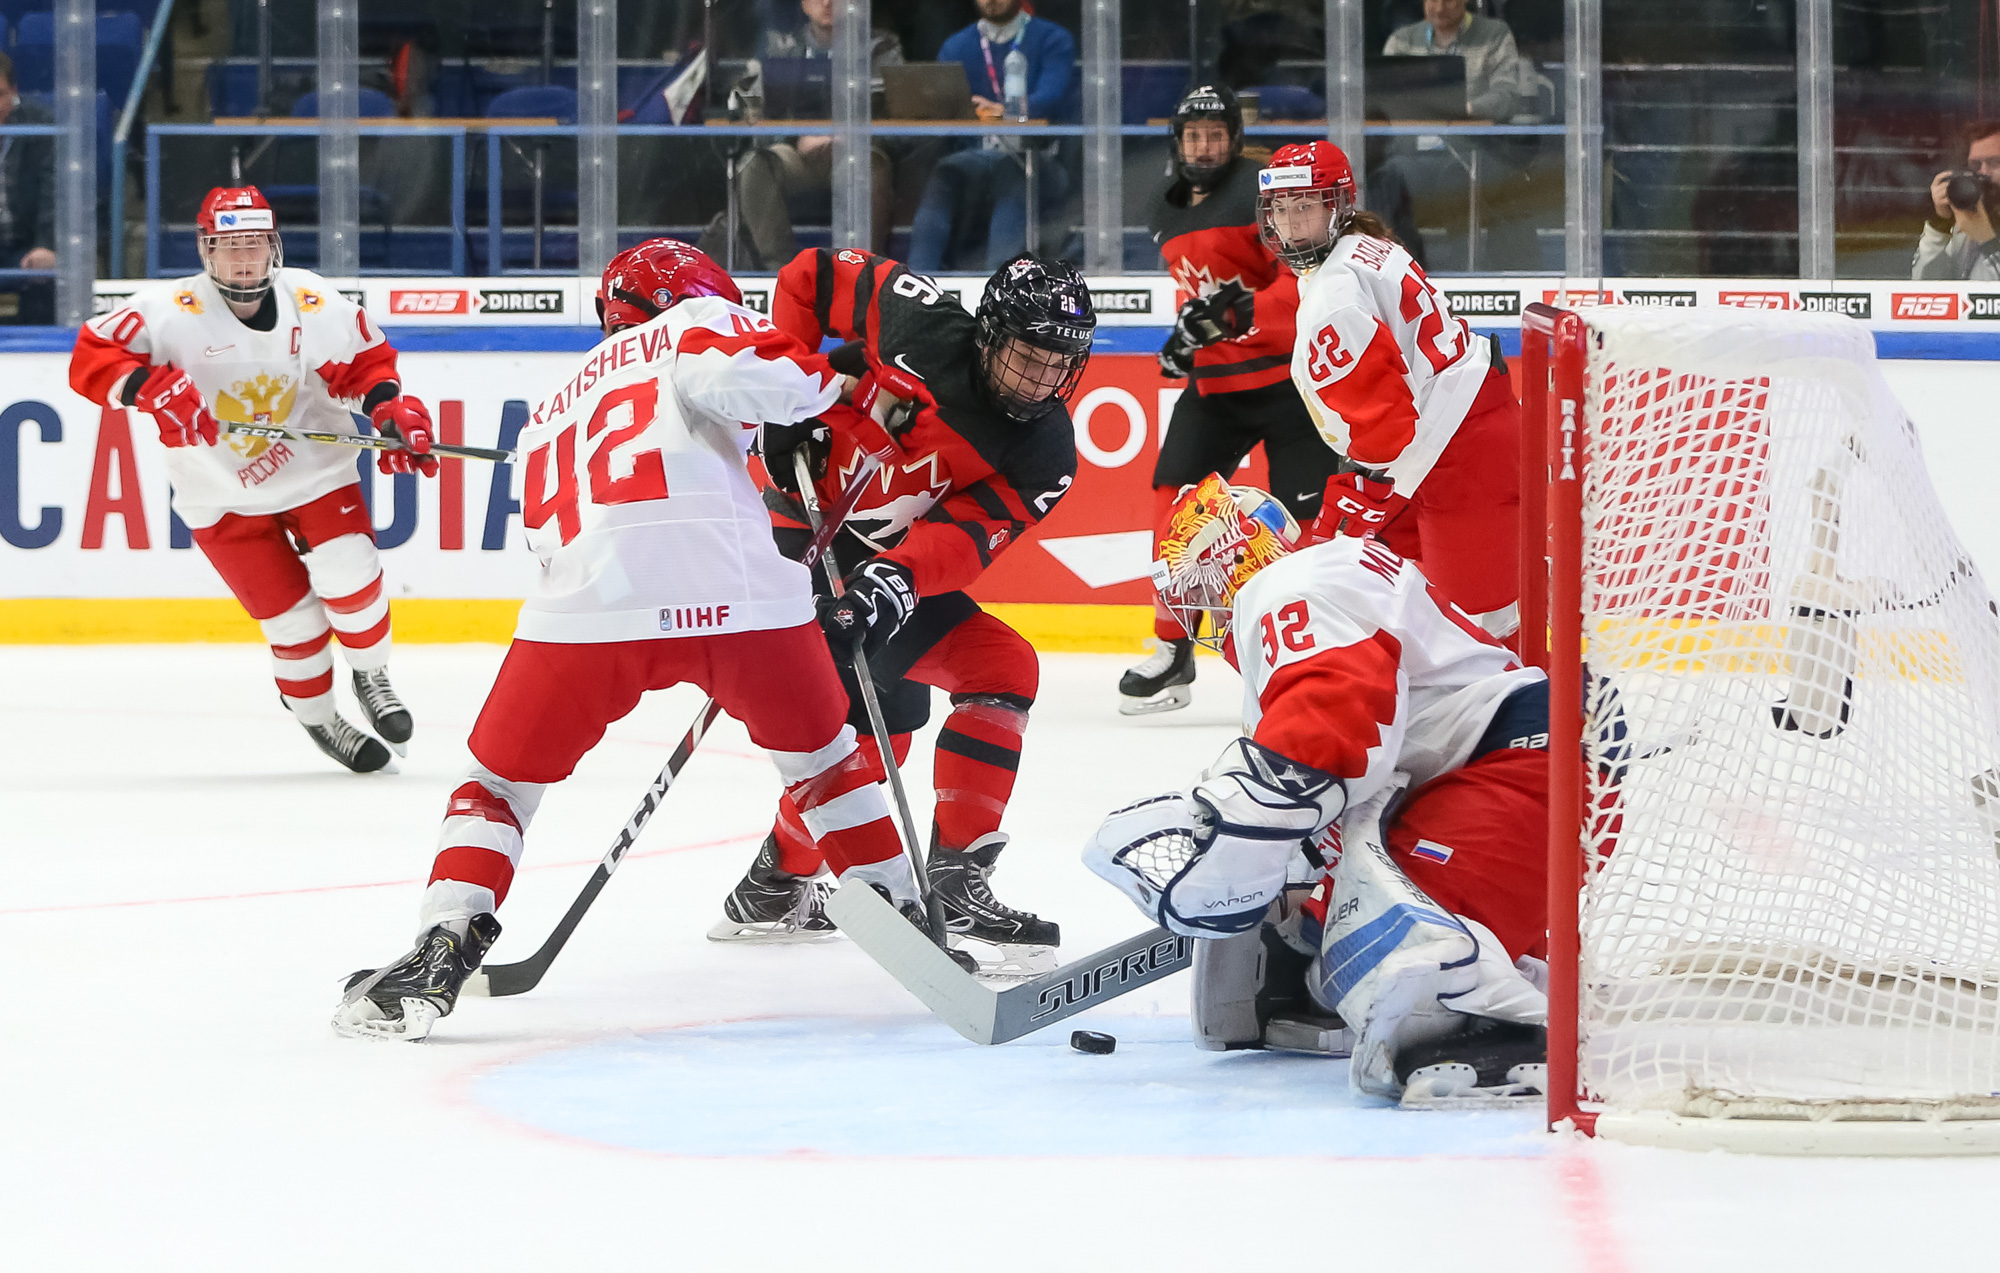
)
(518, 978)
(884, 741)
(978, 1011)
(367, 441)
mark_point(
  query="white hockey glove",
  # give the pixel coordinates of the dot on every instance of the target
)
(1208, 862)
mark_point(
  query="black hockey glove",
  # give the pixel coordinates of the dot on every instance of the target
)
(1177, 356)
(778, 441)
(877, 602)
(1224, 314)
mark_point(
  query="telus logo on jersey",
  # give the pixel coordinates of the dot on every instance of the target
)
(692, 618)
(428, 301)
(1930, 306)
(493, 301)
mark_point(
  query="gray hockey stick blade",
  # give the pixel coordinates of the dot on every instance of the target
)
(981, 1013)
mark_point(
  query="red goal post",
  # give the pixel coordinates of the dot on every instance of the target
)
(1774, 831)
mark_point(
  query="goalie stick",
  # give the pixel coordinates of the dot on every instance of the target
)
(978, 1011)
(519, 978)
(368, 441)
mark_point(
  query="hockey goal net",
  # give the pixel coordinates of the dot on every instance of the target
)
(1774, 886)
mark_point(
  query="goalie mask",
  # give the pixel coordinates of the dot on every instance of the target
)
(236, 235)
(1217, 537)
(1305, 199)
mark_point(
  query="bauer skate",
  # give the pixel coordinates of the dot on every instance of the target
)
(405, 999)
(1159, 683)
(1005, 942)
(345, 743)
(772, 905)
(385, 712)
(1491, 1064)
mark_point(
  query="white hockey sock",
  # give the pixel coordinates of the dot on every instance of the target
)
(453, 903)
(891, 873)
(317, 710)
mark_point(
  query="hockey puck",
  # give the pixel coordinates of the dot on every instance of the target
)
(1093, 1042)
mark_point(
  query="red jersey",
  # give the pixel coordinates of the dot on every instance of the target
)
(1214, 242)
(969, 481)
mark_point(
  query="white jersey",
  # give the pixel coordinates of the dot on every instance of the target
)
(1353, 663)
(637, 496)
(1385, 368)
(316, 362)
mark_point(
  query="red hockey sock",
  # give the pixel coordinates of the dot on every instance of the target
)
(978, 755)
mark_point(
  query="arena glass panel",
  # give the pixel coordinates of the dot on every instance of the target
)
(1908, 100)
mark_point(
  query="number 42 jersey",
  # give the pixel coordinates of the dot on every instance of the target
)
(1355, 664)
(636, 496)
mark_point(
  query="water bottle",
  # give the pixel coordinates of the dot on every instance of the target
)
(1015, 80)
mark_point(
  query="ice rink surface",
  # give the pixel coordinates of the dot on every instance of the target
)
(186, 881)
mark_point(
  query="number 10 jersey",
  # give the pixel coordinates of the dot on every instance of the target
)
(636, 494)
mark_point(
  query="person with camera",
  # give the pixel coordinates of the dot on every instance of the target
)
(1958, 241)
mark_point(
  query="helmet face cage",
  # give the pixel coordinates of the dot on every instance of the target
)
(243, 291)
(1217, 537)
(1324, 212)
(1215, 103)
(1036, 325)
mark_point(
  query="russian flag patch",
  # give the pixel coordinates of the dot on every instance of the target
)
(1431, 851)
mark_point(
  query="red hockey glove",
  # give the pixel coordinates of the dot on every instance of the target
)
(1356, 504)
(169, 396)
(878, 600)
(404, 417)
(890, 396)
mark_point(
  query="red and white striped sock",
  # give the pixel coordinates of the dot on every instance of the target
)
(301, 662)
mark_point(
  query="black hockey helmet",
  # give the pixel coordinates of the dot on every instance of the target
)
(1036, 324)
(1215, 102)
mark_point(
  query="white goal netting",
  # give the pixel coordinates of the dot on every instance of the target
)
(1791, 905)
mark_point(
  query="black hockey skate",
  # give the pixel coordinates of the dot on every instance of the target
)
(385, 712)
(346, 744)
(404, 1000)
(773, 905)
(1159, 683)
(961, 881)
(1488, 1063)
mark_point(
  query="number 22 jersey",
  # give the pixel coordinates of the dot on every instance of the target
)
(636, 496)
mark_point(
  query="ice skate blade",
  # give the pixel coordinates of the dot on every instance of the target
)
(1000, 962)
(1453, 1085)
(1170, 699)
(770, 933)
(363, 1020)
(401, 749)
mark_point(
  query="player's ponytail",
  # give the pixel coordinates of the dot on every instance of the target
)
(1359, 222)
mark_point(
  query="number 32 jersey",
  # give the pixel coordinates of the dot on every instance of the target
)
(1386, 369)
(636, 496)
(1355, 664)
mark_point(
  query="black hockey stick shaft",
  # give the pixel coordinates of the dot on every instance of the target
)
(877, 724)
(518, 978)
(368, 442)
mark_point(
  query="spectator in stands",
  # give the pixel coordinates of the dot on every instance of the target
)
(989, 181)
(1959, 243)
(1499, 82)
(773, 176)
(27, 200)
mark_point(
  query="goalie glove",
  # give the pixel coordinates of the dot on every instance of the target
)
(1356, 505)
(1210, 861)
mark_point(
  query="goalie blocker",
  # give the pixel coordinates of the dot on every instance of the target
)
(1424, 934)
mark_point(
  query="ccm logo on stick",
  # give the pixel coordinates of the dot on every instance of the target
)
(1924, 305)
(441, 301)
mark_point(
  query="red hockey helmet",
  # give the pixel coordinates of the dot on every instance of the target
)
(236, 235)
(1305, 198)
(643, 282)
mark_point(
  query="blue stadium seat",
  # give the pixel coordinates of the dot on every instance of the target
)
(369, 104)
(121, 38)
(1288, 101)
(1151, 90)
(542, 101)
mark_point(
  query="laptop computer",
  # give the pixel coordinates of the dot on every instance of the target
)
(927, 90)
(798, 88)
(1398, 88)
